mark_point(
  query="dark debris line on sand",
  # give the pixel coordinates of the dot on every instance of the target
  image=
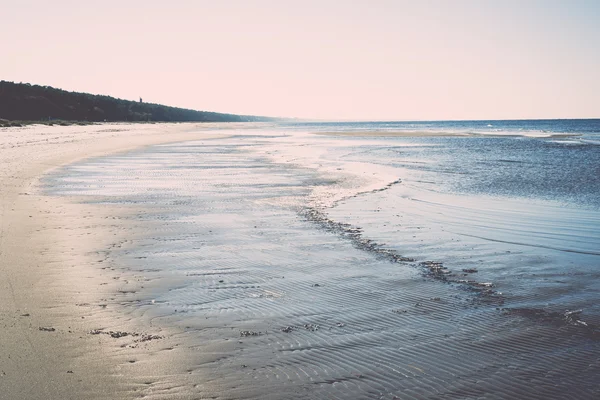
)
(120, 334)
(47, 329)
(431, 269)
(484, 292)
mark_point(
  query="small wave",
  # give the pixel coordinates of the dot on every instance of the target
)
(570, 318)
(590, 142)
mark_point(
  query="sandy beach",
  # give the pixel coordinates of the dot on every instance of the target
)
(47, 279)
(274, 200)
(192, 261)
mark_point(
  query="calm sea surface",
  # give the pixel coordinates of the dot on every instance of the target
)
(537, 159)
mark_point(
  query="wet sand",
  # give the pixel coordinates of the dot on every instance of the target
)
(48, 274)
(245, 276)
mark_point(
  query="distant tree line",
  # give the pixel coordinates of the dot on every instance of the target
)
(26, 102)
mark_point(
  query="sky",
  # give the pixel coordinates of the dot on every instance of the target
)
(326, 59)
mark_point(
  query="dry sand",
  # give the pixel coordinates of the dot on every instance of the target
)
(46, 278)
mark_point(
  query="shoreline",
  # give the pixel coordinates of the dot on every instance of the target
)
(420, 134)
(46, 257)
(139, 298)
(241, 294)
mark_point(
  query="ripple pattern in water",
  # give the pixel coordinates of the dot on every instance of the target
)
(290, 310)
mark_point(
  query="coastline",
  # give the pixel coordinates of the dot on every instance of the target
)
(184, 271)
(46, 254)
(390, 134)
(424, 134)
(212, 255)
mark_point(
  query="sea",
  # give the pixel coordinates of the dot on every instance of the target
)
(393, 260)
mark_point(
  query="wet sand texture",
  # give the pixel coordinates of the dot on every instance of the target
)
(50, 291)
(254, 279)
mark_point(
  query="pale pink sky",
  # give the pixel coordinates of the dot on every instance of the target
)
(352, 59)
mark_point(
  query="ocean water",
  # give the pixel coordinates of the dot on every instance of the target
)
(581, 130)
(364, 266)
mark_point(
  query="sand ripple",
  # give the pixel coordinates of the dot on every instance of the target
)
(273, 299)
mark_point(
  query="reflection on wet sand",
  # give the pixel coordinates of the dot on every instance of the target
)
(269, 283)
